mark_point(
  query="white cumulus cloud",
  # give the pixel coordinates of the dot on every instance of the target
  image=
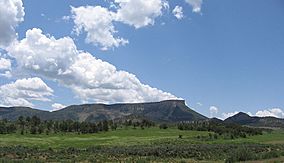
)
(227, 115)
(274, 112)
(91, 79)
(213, 111)
(196, 5)
(5, 64)
(23, 91)
(178, 13)
(57, 106)
(139, 13)
(11, 14)
(39, 54)
(5, 67)
(97, 22)
(6, 74)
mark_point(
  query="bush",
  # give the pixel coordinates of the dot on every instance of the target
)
(163, 126)
(271, 154)
(241, 154)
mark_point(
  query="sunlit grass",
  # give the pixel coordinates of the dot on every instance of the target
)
(128, 137)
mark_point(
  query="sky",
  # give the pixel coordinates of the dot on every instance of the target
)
(221, 57)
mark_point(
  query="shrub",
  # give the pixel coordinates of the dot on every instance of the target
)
(163, 126)
(241, 154)
(271, 154)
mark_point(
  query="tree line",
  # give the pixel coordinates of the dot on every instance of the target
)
(230, 130)
(34, 125)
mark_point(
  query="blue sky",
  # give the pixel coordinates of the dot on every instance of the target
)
(227, 57)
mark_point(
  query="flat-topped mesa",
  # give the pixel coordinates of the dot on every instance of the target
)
(174, 101)
(170, 101)
(167, 111)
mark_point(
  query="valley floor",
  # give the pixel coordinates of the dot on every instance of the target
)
(140, 145)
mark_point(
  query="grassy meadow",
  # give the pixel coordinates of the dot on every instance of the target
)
(135, 145)
(130, 136)
(119, 137)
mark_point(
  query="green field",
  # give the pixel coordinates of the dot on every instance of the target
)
(125, 139)
(128, 137)
(120, 137)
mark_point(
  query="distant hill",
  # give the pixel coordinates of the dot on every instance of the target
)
(164, 111)
(12, 113)
(244, 119)
(215, 120)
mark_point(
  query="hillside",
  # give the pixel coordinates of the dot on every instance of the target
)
(244, 119)
(164, 111)
(12, 113)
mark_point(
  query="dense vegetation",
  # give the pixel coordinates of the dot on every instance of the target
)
(160, 145)
(227, 130)
(32, 139)
(229, 153)
(35, 125)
